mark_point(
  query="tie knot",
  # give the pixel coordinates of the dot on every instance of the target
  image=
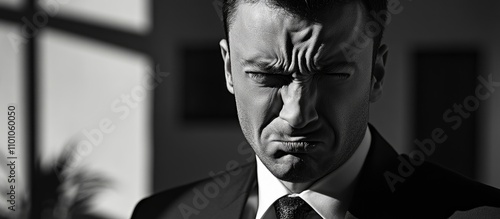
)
(291, 208)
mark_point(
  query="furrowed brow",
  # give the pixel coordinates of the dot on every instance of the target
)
(263, 67)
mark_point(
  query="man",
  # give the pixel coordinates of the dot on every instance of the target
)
(303, 101)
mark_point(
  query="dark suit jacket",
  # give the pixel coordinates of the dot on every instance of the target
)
(423, 190)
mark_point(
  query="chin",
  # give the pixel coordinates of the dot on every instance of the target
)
(295, 169)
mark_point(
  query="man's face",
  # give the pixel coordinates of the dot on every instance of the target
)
(302, 105)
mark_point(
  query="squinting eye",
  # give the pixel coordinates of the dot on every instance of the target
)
(339, 75)
(270, 80)
(257, 76)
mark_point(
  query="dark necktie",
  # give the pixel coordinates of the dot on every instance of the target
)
(291, 208)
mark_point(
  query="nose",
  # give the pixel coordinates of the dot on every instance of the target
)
(299, 104)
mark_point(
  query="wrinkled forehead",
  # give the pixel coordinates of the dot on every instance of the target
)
(261, 30)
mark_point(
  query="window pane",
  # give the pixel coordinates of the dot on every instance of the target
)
(94, 98)
(130, 15)
(12, 94)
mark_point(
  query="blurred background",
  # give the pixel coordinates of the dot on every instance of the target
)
(119, 99)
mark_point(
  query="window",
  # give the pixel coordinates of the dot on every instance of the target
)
(77, 72)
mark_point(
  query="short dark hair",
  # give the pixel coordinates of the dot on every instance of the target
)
(309, 9)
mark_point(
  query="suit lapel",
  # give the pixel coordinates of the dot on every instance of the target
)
(231, 204)
(428, 190)
(372, 188)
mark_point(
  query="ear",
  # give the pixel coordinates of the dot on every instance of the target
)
(224, 49)
(378, 73)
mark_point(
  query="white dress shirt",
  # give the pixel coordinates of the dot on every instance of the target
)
(329, 196)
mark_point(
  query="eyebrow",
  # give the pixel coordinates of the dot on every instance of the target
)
(271, 69)
(264, 66)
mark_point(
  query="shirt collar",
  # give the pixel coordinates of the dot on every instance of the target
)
(327, 200)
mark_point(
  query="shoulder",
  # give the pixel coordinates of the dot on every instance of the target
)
(200, 198)
(439, 190)
(397, 186)
(158, 204)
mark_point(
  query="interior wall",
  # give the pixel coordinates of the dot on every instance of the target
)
(448, 24)
(185, 152)
(490, 153)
